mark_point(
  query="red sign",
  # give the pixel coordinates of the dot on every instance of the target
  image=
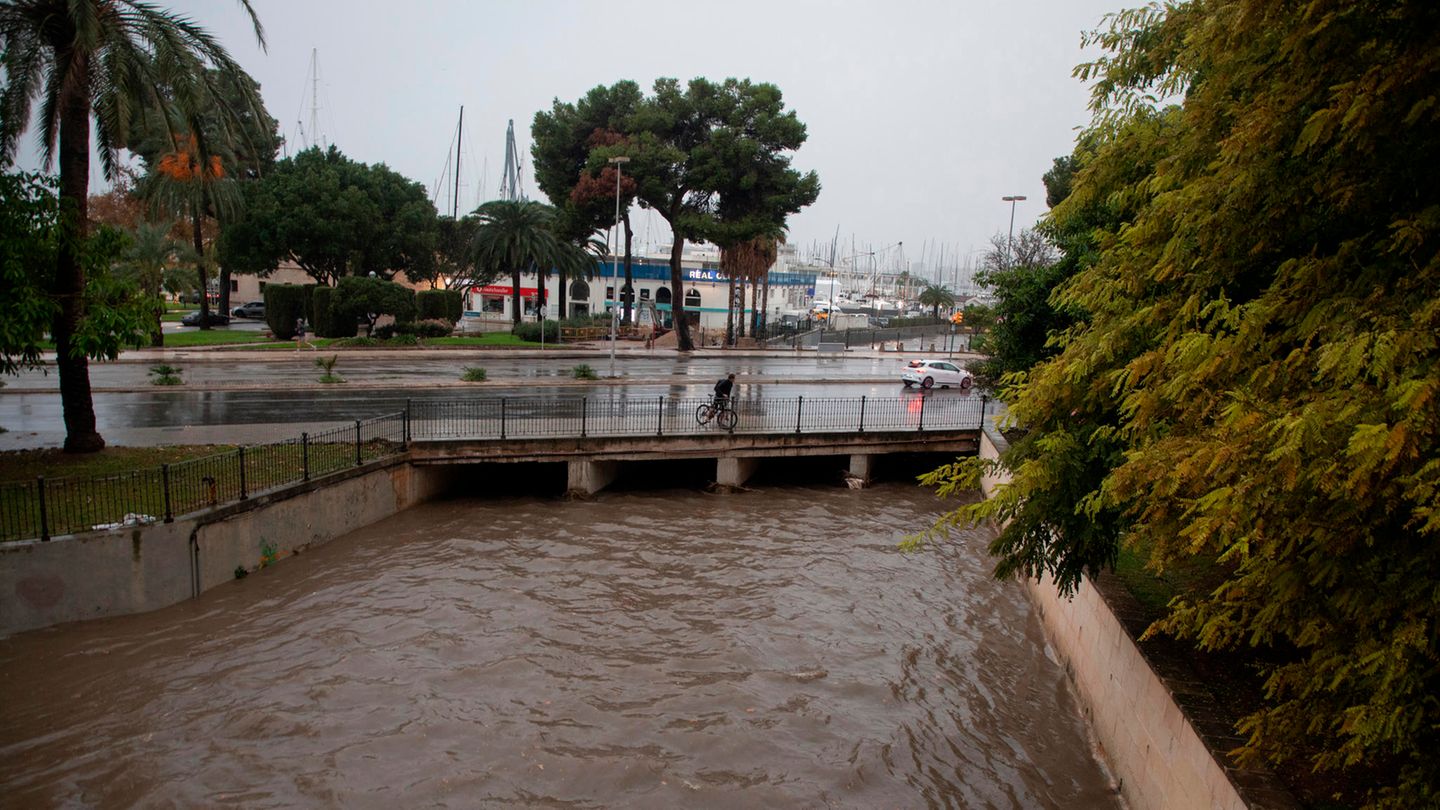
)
(495, 289)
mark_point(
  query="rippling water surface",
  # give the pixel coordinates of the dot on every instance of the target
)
(766, 649)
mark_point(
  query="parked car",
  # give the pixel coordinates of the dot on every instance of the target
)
(932, 373)
(216, 319)
(249, 309)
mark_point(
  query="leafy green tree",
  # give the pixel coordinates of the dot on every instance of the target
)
(370, 297)
(148, 255)
(936, 296)
(1254, 381)
(516, 235)
(691, 146)
(334, 217)
(454, 260)
(84, 59)
(571, 145)
(1022, 276)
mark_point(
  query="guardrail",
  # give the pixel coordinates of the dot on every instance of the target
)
(45, 508)
(582, 417)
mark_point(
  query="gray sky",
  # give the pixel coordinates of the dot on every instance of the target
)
(921, 114)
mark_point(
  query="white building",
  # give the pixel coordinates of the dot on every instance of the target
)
(704, 287)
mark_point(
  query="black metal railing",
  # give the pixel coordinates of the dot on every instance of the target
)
(45, 508)
(578, 417)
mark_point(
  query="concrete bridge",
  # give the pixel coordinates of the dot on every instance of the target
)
(597, 437)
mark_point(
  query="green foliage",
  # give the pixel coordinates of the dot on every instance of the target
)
(335, 218)
(1251, 380)
(936, 296)
(165, 374)
(323, 316)
(370, 297)
(327, 366)
(29, 214)
(530, 330)
(515, 235)
(584, 372)
(447, 305)
(284, 305)
(473, 374)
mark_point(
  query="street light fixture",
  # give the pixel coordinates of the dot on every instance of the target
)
(1010, 241)
(619, 162)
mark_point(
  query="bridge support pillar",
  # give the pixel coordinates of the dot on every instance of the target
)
(861, 466)
(585, 478)
(732, 473)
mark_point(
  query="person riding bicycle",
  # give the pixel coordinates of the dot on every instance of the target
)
(722, 391)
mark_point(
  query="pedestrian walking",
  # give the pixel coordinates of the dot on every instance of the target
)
(300, 335)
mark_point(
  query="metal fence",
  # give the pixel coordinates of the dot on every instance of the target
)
(44, 508)
(576, 417)
(48, 507)
(854, 337)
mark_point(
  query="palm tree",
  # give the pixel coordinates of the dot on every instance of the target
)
(188, 182)
(151, 250)
(99, 59)
(513, 235)
(936, 296)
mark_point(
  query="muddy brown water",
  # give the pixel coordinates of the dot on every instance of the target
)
(646, 649)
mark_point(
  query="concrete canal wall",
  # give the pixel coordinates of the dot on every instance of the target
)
(136, 569)
(1150, 744)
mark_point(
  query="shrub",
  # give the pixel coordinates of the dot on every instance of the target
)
(323, 318)
(403, 339)
(165, 375)
(358, 343)
(473, 374)
(429, 328)
(284, 305)
(442, 305)
(530, 330)
(369, 297)
(584, 372)
(327, 364)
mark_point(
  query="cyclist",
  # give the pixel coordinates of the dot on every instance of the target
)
(722, 391)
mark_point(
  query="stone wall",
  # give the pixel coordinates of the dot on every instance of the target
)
(132, 570)
(1145, 738)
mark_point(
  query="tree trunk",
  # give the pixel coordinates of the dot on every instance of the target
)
(69, 284)
(765, 307)
(677, 301)
(730, 310)
(629, 273)
(515, 307)
(200, 266)
(755, 307)
(539, 295)
(562, 288)
(225, 290)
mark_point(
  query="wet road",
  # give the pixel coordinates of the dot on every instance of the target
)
(146, 415)
(534, 652)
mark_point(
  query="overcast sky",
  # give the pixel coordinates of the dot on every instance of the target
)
(921, 115)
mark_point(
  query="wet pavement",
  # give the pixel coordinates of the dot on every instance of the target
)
(249, 397)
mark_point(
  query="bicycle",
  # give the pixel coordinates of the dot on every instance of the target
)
(722, 413)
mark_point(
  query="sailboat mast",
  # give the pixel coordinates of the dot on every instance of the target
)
(459, 134)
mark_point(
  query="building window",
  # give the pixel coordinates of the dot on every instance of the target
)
(662, 295)
(492, 304)
(579, 290)
(692, 298)
(644, 295)
(609, 293)
(234, 285)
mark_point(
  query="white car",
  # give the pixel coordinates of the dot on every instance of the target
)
(933, 373)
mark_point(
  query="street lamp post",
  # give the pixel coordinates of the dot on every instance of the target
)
(619, 161)
(1010, 241)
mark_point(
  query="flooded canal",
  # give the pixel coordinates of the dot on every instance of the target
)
(647, 649)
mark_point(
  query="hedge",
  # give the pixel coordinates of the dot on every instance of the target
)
(324, 319)
(434, 305)
(284, 305)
